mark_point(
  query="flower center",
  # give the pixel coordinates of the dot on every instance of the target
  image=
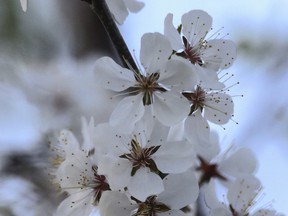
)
(208, 171)
(99, 185)
(146, 85)
(150, 207)
(234, 213)
(191, 53)
(141, 157)
(197, 98)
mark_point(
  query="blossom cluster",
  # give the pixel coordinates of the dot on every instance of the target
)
(157, 151)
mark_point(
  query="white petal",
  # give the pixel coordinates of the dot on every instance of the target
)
(197, 129)
(110, 75)
(208, 77)
(118, 9)
(115, 204)
(242, 162)
(68, 141)
(174, 157)
(133, 5)
(117, 170)
(266, 212)
(144, 184)
(129, 111)
(196, 24)
(170, 107)
(172, 213)
(88, 133)
(159, 134)
(242, 192)
(220, 212)
(180, 190)
(108, 141)
(77, 204)
(24, 5)
(178, 75)
(172, 34)
(176, 132)
(155, 51)
(219, 54)
(210, 151)
(75, 171)
(219, 108)
(210, 197)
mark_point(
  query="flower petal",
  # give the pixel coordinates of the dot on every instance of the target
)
(110, 75)
(68, 142)
(108, 141)
(180, 190)
(115, 204)
(159, 135)
(118, 9)
(170, 107)
(144, 184)
(129, 111)
(210, 151)
(242, 162)
(266, 212)
(174, 157)
(88, 134)
(155, 51)
(196, 24)
(117, 170)
(242, 192)
(172, 213)
(197, 129)
(210, 197)
(133, 5)
(219, 108)
(207, 77)
(178, 75)
(220, 211)
(74, 171)
(24, 4)
(219, 54)
(76, 205)
(172, 34)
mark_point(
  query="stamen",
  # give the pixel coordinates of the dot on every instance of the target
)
(215, 33)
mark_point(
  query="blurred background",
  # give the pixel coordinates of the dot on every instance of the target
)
(47, 53)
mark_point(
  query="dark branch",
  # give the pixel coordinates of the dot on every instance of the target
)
(101, 9)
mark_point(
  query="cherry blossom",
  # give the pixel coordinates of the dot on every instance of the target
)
(138, 161)
(226, 166)
(206, 105)
(242, 199)
(190, 42)
(120, 8)
(180, 190)
(157, 85)
(77, 175)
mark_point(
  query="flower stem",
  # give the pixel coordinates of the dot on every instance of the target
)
(101, 9)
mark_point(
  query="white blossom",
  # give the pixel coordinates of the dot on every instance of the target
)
(190, 42)
(136, 161)
(120, 8)
(242, 199)
(180, 190)
(77, 174)
(156, 86)
(206, 105)
(226, 166)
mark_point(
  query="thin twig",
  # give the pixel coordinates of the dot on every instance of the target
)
(101, 9)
